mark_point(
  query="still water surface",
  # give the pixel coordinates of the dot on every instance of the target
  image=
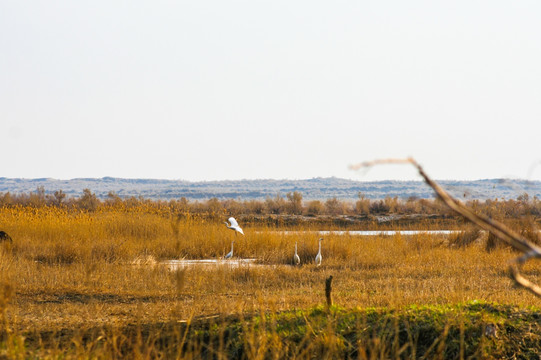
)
(371, 232)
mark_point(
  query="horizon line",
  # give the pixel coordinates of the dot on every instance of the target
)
(253, 179)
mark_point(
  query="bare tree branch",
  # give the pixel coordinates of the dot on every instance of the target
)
(498, 229)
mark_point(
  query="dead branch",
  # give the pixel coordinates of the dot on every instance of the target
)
(499, 230)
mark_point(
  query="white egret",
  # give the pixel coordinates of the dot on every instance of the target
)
(296, 258)
(318, 256)
(230, 254)
(234, 225)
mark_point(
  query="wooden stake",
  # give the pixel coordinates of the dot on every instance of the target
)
(328, 290)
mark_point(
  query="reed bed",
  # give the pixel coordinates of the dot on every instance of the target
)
(83, 276)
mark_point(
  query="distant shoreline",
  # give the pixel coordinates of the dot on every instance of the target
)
(311, 189)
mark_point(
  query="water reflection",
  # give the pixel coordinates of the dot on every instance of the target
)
(211, 263)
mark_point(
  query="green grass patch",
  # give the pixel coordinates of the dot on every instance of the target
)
(469, 330)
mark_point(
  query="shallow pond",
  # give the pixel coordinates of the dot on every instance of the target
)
(211, 263)
(371, 232)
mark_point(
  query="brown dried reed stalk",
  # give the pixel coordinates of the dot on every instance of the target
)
(498, 229)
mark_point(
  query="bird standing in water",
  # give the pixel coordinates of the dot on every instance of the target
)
(230, 254)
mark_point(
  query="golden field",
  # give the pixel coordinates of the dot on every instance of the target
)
(91, 284)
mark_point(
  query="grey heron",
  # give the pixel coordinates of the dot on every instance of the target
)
(230, 254)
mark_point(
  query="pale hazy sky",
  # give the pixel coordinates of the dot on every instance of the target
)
(212, 90)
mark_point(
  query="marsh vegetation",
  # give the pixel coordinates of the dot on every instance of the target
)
(82, 281)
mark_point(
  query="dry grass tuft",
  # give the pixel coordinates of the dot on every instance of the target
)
(471, 235)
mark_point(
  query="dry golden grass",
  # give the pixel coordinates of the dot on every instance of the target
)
(87, 261)
(69, 270)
